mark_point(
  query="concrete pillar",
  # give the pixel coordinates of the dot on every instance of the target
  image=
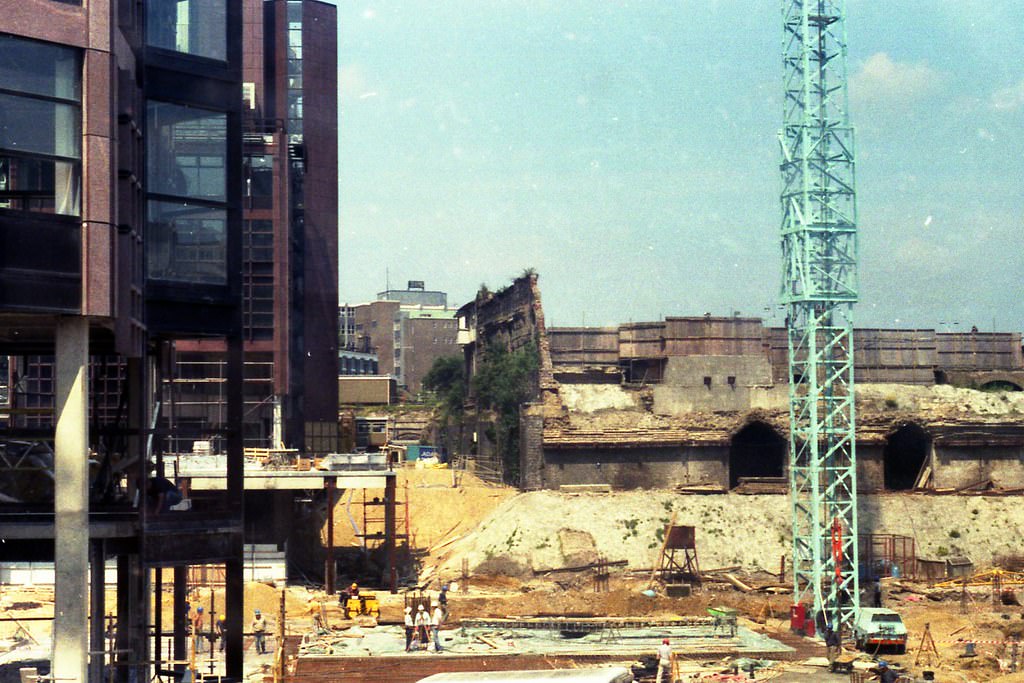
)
(330, 566)
(71, 503)
(158, 614)
(128, 618)
(97, 589)
(234, 576)
(180, 623)
(390, 517)
(277, 434)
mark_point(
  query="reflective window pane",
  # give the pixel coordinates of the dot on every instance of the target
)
(40, 126)
(36, 68)
(195, 27)
(40, 137)
(186, 243)
(186, 151)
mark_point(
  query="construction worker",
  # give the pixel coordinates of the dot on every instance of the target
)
(410, 628)
(664, 660)
(833, 643)
(222, 630)
(197, 628)
(435, 625)
(422, 623)
(259, 632)
(346, 594)
(442, 599)
(885, 674)
(316, 611)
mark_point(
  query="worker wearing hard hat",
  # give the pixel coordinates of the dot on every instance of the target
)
(346, 593)
(422, 622)
(222, 630)
(664, 660)
(259, 632)
(435, 625)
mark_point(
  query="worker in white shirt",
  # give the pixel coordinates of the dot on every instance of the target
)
(435, 625)
(664, 660)
(422, 623)
(410, 627)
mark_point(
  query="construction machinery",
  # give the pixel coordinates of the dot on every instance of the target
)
(819, 288)
(362, 605)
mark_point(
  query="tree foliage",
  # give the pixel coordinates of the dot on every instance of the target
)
(447, 379)
(503, 382)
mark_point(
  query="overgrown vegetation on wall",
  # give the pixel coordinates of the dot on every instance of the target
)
(447, 379)
(503, 382)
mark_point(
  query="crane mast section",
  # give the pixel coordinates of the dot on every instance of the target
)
(819, 288)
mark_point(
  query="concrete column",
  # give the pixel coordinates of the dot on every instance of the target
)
(331, 566)
(71, 503)
(234, 576)
(277, 435)
(180, 624)
(390, 494)
(158, 614)
(97, 588)
(127, 618)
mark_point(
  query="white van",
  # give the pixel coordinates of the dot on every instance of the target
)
(610, 674)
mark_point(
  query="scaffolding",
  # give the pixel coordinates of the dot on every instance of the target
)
(819, 289)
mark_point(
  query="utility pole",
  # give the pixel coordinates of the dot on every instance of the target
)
(819, 247)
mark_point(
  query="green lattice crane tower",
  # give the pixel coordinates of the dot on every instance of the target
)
(819, 246)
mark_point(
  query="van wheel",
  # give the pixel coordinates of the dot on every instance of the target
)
(901, 649)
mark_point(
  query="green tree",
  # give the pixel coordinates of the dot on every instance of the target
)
(503, 382)
(447, 379)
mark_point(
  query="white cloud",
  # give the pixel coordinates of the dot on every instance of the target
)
(1009, 99)
(880, 80)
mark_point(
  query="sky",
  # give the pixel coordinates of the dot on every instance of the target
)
(627, 151)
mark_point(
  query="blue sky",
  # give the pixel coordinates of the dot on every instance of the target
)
(627, 151)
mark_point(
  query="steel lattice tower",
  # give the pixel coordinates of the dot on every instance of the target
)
(819, 246)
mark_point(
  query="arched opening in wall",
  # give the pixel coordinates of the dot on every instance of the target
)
(757, 450)
(905, 455)
(1000, 385)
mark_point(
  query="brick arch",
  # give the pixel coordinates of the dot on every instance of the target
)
(1012, 381)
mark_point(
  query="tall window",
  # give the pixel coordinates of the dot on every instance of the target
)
(195, 27)
(294, 71)
(40, 127)
(186, 155)
(258, 278)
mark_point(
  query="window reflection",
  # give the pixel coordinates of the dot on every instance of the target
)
(40, 127)
(186, 152)
(186, 242)
(195, 27)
